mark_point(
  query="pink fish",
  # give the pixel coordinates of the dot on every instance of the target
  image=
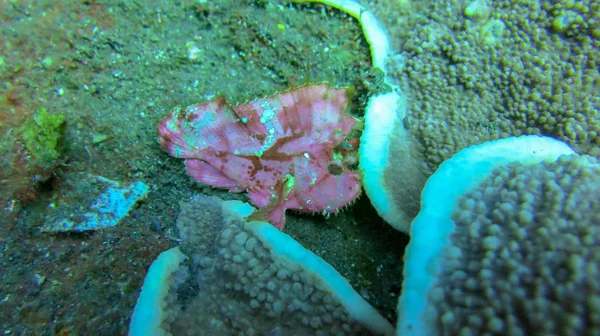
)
(288, 151)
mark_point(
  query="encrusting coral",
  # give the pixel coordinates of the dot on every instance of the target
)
(470, 72)
(288, 151)
(525, 253)
(234, 276)
(506, 244)
(486, 70)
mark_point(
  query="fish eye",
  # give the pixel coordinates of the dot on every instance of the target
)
(335, 169)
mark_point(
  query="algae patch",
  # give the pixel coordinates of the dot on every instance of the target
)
(42, 136)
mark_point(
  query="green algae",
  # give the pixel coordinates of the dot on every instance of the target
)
(42, 136)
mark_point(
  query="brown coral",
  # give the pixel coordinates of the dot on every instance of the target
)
(491, 69)
(524, 256)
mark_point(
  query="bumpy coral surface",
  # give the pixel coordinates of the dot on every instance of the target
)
(525, 255)
(250, 279)
(289, 151)
(483, 70)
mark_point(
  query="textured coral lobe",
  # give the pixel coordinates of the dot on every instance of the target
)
(281, 149)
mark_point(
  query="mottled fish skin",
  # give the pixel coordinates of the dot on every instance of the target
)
(285, 150)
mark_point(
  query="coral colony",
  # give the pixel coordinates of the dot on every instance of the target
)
(288, 151)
